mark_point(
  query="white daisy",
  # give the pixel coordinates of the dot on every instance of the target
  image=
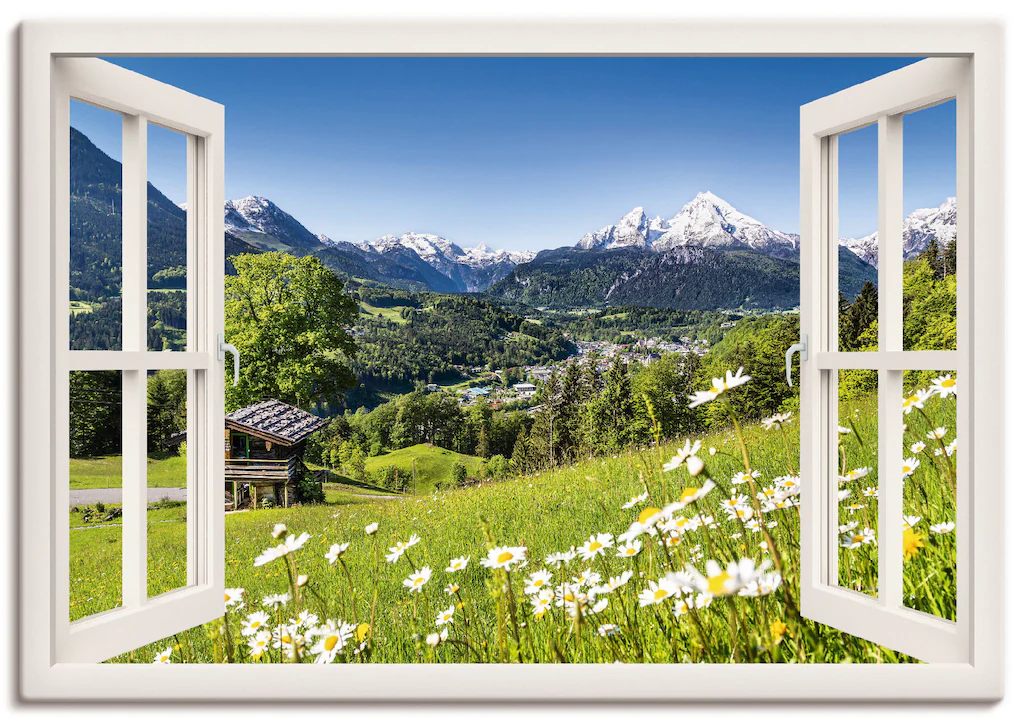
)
(445, 616)
(335, 552)
(457, 564)
(941, 528)
(944, 385)
(417, 580)
(504, 557)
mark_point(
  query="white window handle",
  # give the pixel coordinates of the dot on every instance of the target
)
(802, 347)
(223, 348)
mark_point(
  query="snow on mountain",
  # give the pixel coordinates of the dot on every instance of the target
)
(706, 221)
(264, 224)
(435, 250)
(918, 230)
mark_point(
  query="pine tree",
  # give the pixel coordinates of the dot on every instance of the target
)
(931, 256)
(522, 454)
(949, 258)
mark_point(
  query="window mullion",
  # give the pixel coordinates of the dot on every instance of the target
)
(890, 380)
(134, 307)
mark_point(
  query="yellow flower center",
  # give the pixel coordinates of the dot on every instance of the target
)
(648, 513)
(538, 583)
(226, 598)
(716, 584)
(330, 643)
(504, 557)
(948, 383)
(660, 594)
(594, 546)
(630, 551)
(858, 538)
(570, 598)
(906, 469)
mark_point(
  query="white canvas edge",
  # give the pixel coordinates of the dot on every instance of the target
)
(982, 679)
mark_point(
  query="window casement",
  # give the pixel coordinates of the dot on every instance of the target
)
(883, 103)
(142, 104)
(58, 658)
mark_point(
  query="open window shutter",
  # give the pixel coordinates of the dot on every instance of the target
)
(143, 103)
(883, 619)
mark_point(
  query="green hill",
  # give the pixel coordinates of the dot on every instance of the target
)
(433, 465)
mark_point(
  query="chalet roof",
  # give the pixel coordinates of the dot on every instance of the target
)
(274, 421)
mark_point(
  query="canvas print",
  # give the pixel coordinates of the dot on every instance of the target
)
(512, 383)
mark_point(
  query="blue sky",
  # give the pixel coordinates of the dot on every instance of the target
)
(527, 153)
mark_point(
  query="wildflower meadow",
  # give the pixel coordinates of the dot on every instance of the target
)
(682, 552)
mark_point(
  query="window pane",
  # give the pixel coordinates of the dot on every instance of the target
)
(95, 483)
(166, 480)
(166, 238)
(929, 231)
(858, 239)
(929, 492)
(95, 273)
(857, 501)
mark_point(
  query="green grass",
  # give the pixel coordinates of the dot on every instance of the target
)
(80, 306)
(392, 314)
(105, 472)
(433, 464)
(555, 511)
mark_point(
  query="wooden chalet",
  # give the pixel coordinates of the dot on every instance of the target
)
(263, 448)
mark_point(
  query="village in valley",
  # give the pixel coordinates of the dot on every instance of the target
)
(480, 383)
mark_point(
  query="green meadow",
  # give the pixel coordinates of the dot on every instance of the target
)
(493, 617)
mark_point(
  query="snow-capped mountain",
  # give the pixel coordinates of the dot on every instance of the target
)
(633, 230)
(918, 229)
(473, 270)
(707, 221)
(260, 222)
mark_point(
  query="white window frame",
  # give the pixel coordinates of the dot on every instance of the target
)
(979, 677)
(881, 102)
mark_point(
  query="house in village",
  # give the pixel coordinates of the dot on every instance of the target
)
(263, 448)
(525, 390)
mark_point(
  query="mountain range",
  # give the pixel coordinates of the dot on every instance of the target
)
(708, 255)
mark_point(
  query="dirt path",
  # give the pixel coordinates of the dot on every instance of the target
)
(88, 496)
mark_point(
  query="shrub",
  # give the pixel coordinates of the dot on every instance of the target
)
(309, 491)
(458, 474)
(392, 478)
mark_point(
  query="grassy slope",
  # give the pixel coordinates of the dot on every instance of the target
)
(105, 472)
(548, 512)
(433, 464)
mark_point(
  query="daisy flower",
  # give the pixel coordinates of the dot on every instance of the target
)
(445, 617)
(536, 581)
(942, 528)
(457, 564)
(335, 552)
(164, 656)
(855, 475)
(916, 400)
(504, 557)
(938, 434)
(682, 454)
(560, 558)
(615, 582)
(451, 589)
(724, 583)
(371, 529)
(290, 545)
(910, 521)
(279, 530)
(943, 385)
(331, 639)
(232, 597)
(856, 539)
(541, 602)
(775, 422)
(630, 549)
(607, 629)
(635, 500)
(595, 546)
(254, 622)
(950, 449)
(276, 599)
(734, 502)
(417, 580)
(843, 430)
(918, 447)
(655, 593)
(742, 477)
(689, 495)
(871, 492)
(909, 466)
(399, 549)
(259, 644)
